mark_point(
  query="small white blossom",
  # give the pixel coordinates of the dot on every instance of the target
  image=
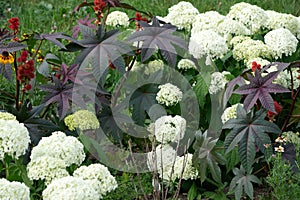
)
(279, 149)
(186, 64)
(102, 180)
(168, 94)
(46, 168)
(13, 190)
(230, 113)
(69, 187)
(207, 43)
(281, 42)
(252, 16)
(182, 15)
(14, 138)
(218, 82)
(169, 129)
(59, 146)
(117, 18)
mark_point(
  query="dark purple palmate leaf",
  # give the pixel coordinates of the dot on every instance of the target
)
(156, 36)
(260, 89)
(54, 38)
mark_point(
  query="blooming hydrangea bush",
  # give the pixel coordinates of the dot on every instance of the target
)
(13, 190)
(218, 82)
(117, 18)
(169, 94)
(14, 138)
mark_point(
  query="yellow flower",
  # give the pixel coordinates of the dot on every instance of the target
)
(6, 58)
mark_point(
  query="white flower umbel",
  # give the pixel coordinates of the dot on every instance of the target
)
(218, 82)
(68, 188)
(13, 190)
(182, 15)
(168, 94)
(169, 129)
(58, 145)
(14, 138)
(252, 16)
(46, 168)
(281, 42)
(249, 48)
(117, 18)
(100, 177)
(207, 43)
(186, 64)
(163, 156)
(206, 21)
(284, 79)
(282, 20)
(229, 113)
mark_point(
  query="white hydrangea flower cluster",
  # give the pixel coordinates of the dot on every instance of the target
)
(117, 18)
(163, 156)
(281, 42)
(182, 164)
(284, 79)
(52, 155)
(168, 94)
(238, 39)
(260, 61)
(7, 116)
(249, 48)
(186, 64)
(66, 148)
(252, 16)
(207, 21)
(230, 113)
(282, 20)
(153, 66)
(229, 27)
(14, 138)
(169, 129)
(218, 82)
(182, 15)
(207, 43)
(82, 119)
(69, 187)
(13, 190)
(101, 179)
(46, 168)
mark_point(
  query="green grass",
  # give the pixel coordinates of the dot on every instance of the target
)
(43, 16)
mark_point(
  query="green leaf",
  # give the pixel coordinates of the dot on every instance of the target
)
(232, 159)
(201, 90)
(248, 131)
(193, 193)
(207, 157)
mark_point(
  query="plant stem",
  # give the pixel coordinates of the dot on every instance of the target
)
(17, 82)
(37, 50)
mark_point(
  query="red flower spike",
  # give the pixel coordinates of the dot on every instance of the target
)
(14, 24)
(255, 66)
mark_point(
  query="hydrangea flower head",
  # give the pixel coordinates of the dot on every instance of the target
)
(82, 119)
(218, 82)
(117, 18)
(162, 157)
(169, 94)
(14, 138)
(281, 42)
(13, 190)
(102, 180)
(69, 187)
(7, 116)
(230, 113)
(207, 43)
(66, 148)
(182, 15)
(186, 64)
(169, 129)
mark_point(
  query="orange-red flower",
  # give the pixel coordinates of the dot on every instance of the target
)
(14, 24)
(255, 66)
(278, 109)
